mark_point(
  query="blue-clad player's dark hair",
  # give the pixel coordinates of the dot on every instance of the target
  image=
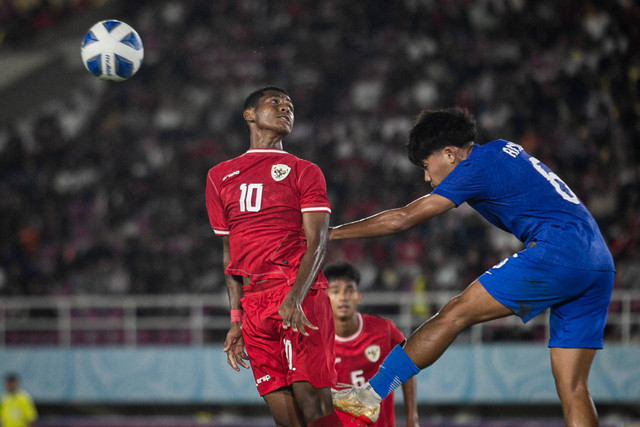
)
(435, 129)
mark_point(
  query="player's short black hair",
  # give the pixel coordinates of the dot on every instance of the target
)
(11, 376)
(341, 270)
(254, 97)
(435, 129)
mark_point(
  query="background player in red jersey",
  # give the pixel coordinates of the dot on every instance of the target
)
(272, 211)
(362, 343)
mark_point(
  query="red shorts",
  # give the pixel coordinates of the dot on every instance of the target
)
(279, 357)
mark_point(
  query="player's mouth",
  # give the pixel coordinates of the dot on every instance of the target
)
(286, 119)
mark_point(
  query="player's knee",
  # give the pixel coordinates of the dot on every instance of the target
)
(314, 404)
(570, 385)
(313, 412)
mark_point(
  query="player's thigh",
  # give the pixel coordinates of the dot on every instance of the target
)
(579, 322)
(263, 341)
(528, 287)
(474, 305)
(284, 408)
(312, 358)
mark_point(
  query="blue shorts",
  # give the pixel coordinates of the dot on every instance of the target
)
(579, 299)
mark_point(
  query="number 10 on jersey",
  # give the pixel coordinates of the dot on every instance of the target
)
(250, 197)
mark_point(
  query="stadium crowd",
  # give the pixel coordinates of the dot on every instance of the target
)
(103, 192)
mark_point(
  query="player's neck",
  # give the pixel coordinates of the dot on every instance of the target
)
(346, 328)
(266, 140)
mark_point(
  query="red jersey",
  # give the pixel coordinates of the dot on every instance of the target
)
(359, 356)
(258, 199)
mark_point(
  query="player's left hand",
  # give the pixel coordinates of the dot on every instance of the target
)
(234, 347)
(293, 316)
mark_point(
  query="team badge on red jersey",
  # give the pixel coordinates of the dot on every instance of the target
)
(373, 353)
(279, 172)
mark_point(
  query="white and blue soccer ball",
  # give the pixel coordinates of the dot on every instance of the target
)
(112, 50)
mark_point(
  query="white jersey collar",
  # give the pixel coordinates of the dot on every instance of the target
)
(355, 334)
(265, 150)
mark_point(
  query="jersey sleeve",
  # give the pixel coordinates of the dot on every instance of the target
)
(313, 190)
(395, 336)
(215, 209)
(467, 181)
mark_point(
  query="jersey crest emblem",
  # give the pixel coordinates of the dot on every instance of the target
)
(279, 172)
(373, 353)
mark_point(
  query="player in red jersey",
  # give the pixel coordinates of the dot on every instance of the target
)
(272, 212)
(362, 343)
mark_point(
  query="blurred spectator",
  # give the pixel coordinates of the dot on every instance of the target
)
(21, 20)
(104, 191)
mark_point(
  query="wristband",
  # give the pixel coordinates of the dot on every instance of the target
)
(236, 315)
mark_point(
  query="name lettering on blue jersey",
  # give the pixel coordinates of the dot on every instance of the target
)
(512, 149)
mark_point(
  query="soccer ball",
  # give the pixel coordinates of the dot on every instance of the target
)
(112, 50)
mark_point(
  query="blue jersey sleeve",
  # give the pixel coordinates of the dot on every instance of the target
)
(467, 182)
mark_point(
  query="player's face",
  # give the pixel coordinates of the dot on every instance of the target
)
(344, 297)
(274, 112)
(438, 165)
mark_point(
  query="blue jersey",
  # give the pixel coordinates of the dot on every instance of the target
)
(517, 193)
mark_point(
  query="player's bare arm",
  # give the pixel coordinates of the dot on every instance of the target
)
(393, 221)
(409, 393)
(233, 344)
(315, 225)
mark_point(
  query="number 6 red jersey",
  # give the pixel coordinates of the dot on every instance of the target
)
(257, 199)
(359, 356)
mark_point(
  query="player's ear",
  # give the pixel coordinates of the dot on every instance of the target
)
(359, 297)
(450, 153)
(249, 115)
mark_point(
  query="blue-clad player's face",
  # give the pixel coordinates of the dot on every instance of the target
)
(438, 165)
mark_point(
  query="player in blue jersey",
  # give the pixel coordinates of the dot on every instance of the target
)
(565, 266)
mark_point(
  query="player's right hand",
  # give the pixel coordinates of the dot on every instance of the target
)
(234, 347)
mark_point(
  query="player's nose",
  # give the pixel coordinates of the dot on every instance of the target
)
(285, 108)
